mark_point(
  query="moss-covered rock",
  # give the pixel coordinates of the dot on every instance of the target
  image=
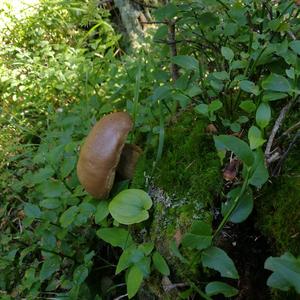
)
(182, 185)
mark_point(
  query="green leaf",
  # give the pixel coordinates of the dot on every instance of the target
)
(263, 115)
(130, 206)
(260, 172)
(255, 137)
(68, 216)
(286, 270)
(217, 259)
(215, 105)
(144, 265)
(208, 19)
(243, 209)
(186, 62)
(217, 287)
(237, 146)
(50, 265)
(200, 236)
(160, 264)
(117, 237)
(249, 87)
(276, 83)
(51, 203)
(101, 212)
(166, 12)
(175, 251)
(80, 274)
(133, 281)
(223, 75)
(248, 106)
(130, 255)
(161, 92)
(295, 46)
(52, 189)
(227, 53)
(67, 166)
(146, 247)
(32, 210)
(202, 109)
(42, 175)
(269, 96)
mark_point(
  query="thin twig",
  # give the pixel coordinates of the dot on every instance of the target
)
(121, 297)
(284, 156)
(292, 128)
(276, 127)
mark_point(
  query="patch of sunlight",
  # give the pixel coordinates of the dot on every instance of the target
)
(17, 8)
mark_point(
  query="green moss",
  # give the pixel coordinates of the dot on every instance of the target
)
(182, 185)
(279, 208)
(279, 214)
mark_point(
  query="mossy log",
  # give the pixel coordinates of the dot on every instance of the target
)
(183, 185)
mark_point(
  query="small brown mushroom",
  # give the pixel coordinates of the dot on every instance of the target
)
(100, 155)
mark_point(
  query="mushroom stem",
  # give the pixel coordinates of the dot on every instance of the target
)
(128, 160)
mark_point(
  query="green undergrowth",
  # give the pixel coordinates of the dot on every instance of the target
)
(183, 185)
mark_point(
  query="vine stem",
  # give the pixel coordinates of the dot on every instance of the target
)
(233, 207)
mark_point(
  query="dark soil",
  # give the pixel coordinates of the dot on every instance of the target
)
(249, 249)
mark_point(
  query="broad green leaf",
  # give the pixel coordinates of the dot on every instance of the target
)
(80, 274)
(215, 105)
(101, 212)
(223, 75)
(160, 264)
(208, 19)
(200, 236)
(144, 265)
(235, 127)
(50, 265)
(51, 203)
(248, 106)
(161, 92)
(146, 247)
(237, 146)
(117, 237)
(276, 83)
(48, 240)
(186, 62)
(133, 281)
(130, 206)
(32, 210)
(52, 189)
(244, 208)
(217, 287)
(295, 46)
(249, 87)
(255, 137)
(260, 172)
(217, 259)
(263, 115)
(68, 216)
(230, 29)
(227, 53)
(175, 251)
(67, 166)
(269, 96)
(202, 109)
(42, 175)
(290, 73)
(166, 12)
(130, 255)
(286, 270)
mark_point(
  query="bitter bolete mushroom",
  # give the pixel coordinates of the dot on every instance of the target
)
(100, 155)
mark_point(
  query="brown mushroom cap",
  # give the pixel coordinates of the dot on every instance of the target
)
(100, 154)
